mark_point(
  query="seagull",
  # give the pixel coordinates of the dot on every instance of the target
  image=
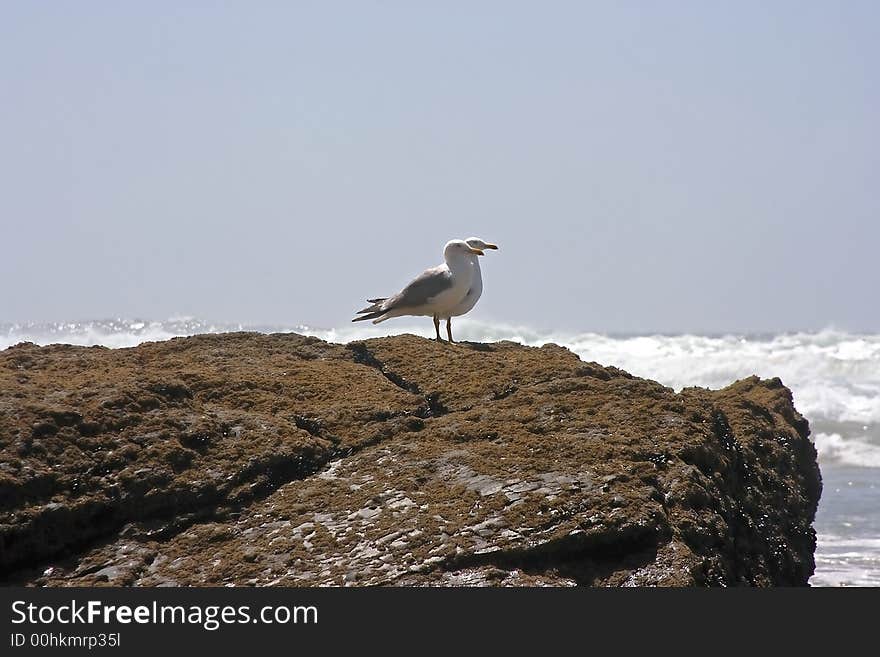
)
(436, 292)
(473, 295)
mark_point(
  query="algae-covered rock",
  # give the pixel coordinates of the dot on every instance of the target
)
(281, 459)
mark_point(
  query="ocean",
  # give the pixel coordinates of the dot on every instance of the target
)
(834, 375)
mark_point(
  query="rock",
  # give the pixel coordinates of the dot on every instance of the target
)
(282, 459)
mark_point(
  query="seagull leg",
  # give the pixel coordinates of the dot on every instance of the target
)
(449, 328)
(437, 327)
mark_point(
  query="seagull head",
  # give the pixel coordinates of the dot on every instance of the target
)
(455, 249)
(479, 245)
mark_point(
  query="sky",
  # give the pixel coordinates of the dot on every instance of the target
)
(644, 166)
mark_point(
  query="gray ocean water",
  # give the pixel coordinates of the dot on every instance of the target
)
(834, 376)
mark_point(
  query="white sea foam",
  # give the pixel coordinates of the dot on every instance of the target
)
(847, 561)
(114, 333)
(853, 450)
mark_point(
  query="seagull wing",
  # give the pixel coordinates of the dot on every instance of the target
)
(417, 294)
(421, 289)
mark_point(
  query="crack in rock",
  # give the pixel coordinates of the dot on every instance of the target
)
(432, 406)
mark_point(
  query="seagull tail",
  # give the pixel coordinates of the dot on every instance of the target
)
(376, 305)
(370, 315)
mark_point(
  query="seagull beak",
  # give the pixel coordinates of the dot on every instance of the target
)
(491, 246)
(475, 251)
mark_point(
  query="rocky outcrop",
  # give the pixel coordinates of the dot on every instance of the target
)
(281, 459)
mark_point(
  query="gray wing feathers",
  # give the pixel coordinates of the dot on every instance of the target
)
(376, 304)
(426, 285)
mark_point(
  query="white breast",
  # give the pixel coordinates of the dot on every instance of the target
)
(450, 298)
(473, 294)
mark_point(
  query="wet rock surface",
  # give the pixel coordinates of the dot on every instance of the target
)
(250, 459)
